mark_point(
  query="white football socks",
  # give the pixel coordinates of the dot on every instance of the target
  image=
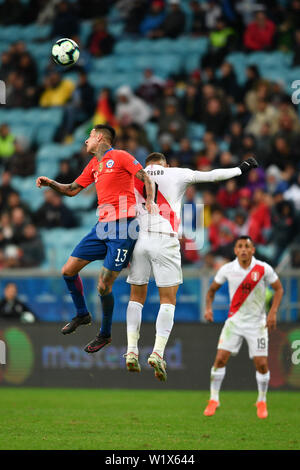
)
(216, 378)
(133, 320)
(164, 325)
(262, 385)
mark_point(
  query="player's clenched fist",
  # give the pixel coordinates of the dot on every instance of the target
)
(208, 315)
(42, 181)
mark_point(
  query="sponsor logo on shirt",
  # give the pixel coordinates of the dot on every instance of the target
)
(110, 164)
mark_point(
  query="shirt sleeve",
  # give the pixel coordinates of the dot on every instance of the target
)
(271, 276)
(221, 276)
(219, 174)
(86, 178)
(130, 163)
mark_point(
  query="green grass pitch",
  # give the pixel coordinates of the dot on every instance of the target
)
(144, 420)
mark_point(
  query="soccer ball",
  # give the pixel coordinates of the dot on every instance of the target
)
(65, 52)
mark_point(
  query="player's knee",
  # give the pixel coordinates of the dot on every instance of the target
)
(262, 367)
(66, 271)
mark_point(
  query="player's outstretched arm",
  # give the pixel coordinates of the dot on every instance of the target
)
(271, 319)
(66, 189)
(150, 191)
(208, 315)
(222, 174)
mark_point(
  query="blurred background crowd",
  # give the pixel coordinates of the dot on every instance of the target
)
(209, 84)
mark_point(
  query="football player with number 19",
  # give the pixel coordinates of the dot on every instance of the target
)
(247, 279)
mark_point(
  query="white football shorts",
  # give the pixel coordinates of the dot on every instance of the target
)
(232, 336)
(156, 254)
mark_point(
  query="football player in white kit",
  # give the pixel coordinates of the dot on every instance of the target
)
(158, 250)
(247, 279)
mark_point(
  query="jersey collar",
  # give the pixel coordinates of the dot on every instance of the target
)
(111, 148)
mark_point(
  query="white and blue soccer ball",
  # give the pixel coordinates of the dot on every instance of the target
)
(65, 52)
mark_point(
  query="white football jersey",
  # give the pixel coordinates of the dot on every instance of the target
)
(252, 309)
(171, 184)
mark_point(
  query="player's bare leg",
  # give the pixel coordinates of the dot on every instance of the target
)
(216, 378)
(138, 296)
(74, 284)
(104, 287)
(262, 378)
(164, 325)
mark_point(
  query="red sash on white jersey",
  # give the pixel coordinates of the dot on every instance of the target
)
(165, 210)
(245, 288)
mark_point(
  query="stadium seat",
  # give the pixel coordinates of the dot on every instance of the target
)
(196, 131)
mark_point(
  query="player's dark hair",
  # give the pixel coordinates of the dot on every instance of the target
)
(244, 237)
(155, 157)
(108, 131)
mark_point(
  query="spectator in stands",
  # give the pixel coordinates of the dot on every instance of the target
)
(212, 13)
(215, 118)
(131, 109)
(6, 187)
(66, 173)
(133, 12)
(198, 18)
(17, 92)
(235, 138)
(241, 221)
(256, 179)
(53, 213)
(57, 91)
(266, 113)
(6, 229)
(81, 159)
(11, 307)
(174, 22)
(166, 143)
(100, 42)
(281, 152)
(259, 218)
(22, 162)
(32, 250)
(7, 145)
(93, 8)
(221, 232)
(189, 251)
(264, 143)
(273, 177)
(252, 77)
(172, 122)
(19, 219)
(27, 68)
(228, 82)
(81, 106)
(228, 195)
(185, 154)
(11, 12)
(7, 65)
(296, 47)
(190, 103)
(221, 41)
(293, 193)
(139, 152)
(65, 23)
(151, 87)
(259, 34)
(209, 202)
(284, 227)
(13, 200)
(153, 19)
(105, 108)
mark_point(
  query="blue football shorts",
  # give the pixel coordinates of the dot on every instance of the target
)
(112, 242)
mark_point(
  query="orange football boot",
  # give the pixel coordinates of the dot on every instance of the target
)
(211, 408)
(262, 411)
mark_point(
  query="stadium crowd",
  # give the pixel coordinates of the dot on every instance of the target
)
(255, 118)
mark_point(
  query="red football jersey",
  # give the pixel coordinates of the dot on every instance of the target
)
(114, 180)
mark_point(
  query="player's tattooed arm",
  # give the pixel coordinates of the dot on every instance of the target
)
(208, 315)
(66, 189)
(150, 191)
